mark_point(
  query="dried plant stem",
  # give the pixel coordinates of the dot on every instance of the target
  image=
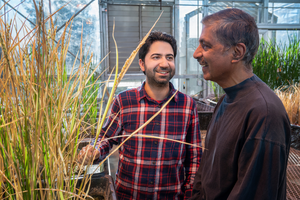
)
(112, 92)
(290, 97)
(154, 137)
(112, 121)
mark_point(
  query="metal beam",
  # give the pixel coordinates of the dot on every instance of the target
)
(137, 2)
(257, 1)
(284, 1)
(265, 11)
(278, 26)
(176, 31)
(205, 10)
(17, 11)
(237, 1)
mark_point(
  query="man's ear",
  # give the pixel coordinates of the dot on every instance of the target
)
(238, 52)
(142, 65)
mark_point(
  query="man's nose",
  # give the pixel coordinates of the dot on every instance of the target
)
(164, 62)
(198, 52)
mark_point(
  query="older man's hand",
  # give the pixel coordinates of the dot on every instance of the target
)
(87, 154)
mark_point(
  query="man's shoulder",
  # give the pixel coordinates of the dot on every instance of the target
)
(184, 96)
(267, 97)
(128, 98)
(129, 92)
(264, 90)
(186, 99)
(267, 110)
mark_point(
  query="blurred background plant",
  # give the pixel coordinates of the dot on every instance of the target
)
(278, 65)
(290, 97)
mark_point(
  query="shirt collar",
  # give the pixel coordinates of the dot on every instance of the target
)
(143, 94)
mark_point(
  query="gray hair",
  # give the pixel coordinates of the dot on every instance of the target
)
(233, 26)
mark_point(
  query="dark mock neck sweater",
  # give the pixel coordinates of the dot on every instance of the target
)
(247, 144)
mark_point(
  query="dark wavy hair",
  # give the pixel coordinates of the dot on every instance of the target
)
(233, 26)
(157, 36)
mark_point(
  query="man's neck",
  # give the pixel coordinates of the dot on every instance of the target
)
(157, 93)
(237, 76)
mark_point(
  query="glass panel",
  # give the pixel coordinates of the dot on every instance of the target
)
(19, 5)
(189, 2)
(138, 1)
(20, 11)
(85, 24)
(217, 6)
(70, 8)
(271, 17)
(283, 37)
(190, 16)
(286, 13)
(251, 8)
(85, 27)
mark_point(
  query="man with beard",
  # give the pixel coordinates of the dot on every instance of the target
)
(248, 138)
(153, 168)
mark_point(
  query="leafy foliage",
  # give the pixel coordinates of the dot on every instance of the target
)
(278, 65)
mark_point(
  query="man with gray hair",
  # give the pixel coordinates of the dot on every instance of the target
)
(248, 139)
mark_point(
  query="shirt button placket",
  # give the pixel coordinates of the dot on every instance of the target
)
(151, 185)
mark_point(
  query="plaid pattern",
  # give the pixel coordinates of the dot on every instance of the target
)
(154, 168)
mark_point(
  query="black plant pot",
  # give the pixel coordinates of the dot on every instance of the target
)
(204, 119)
(101, 188)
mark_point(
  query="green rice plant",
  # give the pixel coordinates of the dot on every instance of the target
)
(90, 94)
(278, 65)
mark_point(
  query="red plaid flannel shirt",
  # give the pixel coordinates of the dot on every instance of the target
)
(154, 168)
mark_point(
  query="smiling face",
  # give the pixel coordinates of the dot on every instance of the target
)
(214, 57)
(159, 65)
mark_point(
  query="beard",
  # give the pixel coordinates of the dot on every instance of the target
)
(159, 81)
